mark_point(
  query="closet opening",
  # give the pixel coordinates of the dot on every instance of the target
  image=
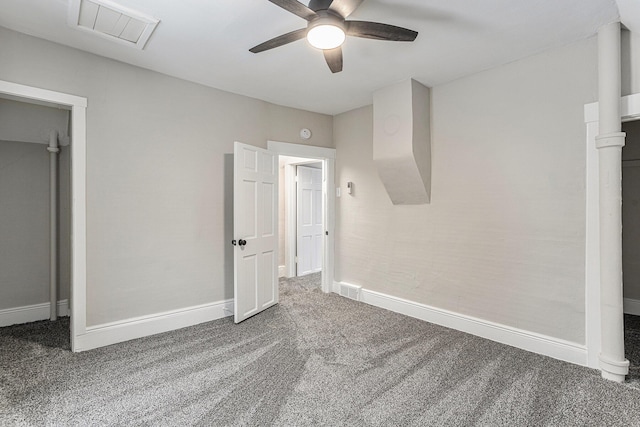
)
(35, 218)
(631, 246)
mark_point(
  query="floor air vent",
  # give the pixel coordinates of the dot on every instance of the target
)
(350, 291)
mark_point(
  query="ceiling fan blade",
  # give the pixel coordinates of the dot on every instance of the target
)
(345, 7)
(377, 31)
(296, 8)
(334, 59)
(280, 40)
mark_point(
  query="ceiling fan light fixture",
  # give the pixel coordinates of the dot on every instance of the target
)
(327, 29)
(326, 36)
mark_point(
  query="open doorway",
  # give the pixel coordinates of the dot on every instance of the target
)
(255, 218)
(631, 245)
(35, 219)
(301, 227)
(324, 245)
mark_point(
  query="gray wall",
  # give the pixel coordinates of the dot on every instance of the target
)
(158, 168)
(630, 62)
(28, 122)
(631, 210)
(504, 236)
(24, 224)
(24, 204)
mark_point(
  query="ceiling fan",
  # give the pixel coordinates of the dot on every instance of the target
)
(327, 28)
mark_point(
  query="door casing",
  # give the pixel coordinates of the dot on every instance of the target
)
(327, 156)
(78, 106)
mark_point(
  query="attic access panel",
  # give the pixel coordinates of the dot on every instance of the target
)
(112, 21)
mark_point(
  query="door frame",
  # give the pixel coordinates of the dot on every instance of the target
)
(77, 105)
(629, 111)
(291, 210)
(327, 156)
(291, 238)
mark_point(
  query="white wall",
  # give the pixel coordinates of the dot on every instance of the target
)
(631, 210)
(282, 215)
(24, 204)
(158, 174)
(504, 236)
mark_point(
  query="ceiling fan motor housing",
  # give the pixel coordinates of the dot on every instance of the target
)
(327, 17)
(317, 5)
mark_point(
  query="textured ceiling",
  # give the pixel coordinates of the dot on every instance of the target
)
(208, 41)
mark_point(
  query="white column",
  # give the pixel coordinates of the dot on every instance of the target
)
(609, 143)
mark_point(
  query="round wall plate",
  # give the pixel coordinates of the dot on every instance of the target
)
(305, 133)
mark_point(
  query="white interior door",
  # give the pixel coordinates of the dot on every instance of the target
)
(255, 226)
(309, 220)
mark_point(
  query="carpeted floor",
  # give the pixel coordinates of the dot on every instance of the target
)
(632, 348)
(314, 359)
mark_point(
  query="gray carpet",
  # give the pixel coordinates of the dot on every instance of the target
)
(632, 348)
(314, 359)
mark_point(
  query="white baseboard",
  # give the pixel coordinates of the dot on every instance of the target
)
(31, 313)
(526, 340)
(336, 288)
(282, 270)
(632, 306)
(138, 327)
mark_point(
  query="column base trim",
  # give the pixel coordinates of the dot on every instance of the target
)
(613, 377)
(614, 370)
(615, 139)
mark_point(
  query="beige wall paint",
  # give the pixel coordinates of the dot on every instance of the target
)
(158, 174)
(24, 224)
(504, 236)
(631, 210)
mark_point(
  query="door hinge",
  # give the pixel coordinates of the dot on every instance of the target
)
(296, 261)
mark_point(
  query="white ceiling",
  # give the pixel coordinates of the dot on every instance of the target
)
(207, 41)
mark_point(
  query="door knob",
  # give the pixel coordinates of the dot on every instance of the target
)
(242, 242)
